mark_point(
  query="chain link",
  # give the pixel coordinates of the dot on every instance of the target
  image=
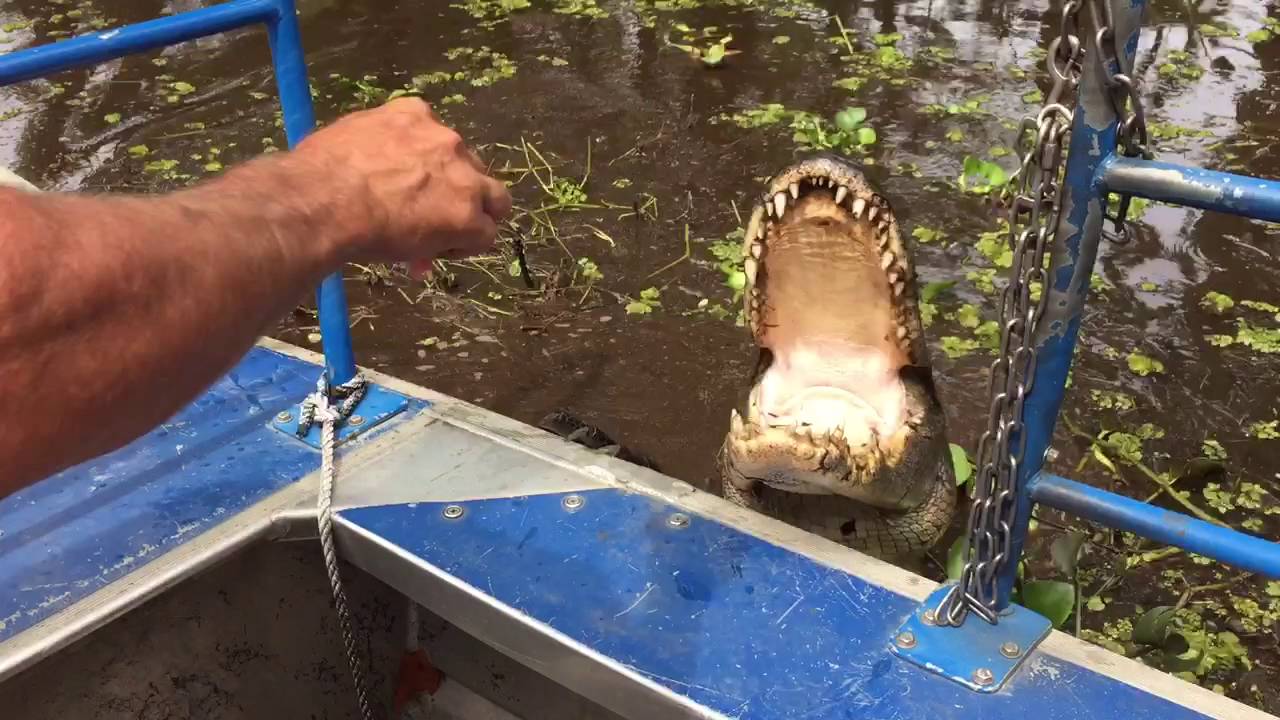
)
(1131, 134)
(1033, 222)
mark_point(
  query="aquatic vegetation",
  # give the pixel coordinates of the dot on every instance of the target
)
(647, 301)
(1269, 29)
(981, 176)
(1143, 365)
(847, 132)
(710, 55)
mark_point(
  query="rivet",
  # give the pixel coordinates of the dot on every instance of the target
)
(905, 640)
(1010, 650)
(284, 416)
(929, 617)
(572, 502)
(983, 676)
(678, 520)
(452, 512)
(356, 420)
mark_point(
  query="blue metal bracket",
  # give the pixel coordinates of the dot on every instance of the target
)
(377, 406)
(976, 654)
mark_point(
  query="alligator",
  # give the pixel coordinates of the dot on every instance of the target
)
(842, 432)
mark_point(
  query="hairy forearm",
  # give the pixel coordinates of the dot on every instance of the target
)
(116, 311)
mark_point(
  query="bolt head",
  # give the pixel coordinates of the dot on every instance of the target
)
(905, 640)
(678, 520)
(452, 512)
(284, 416)
(983, 676)
(356, 420)
(1010, 650)
(930, 617)
(572, 502)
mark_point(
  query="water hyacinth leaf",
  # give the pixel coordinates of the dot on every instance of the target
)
(866, 136)
(956, 559)
(714, 54)
(1053, 599)
(960, 462)
(935, 288)
(1142, 365)
(1154, 627)
(1065, 552)
(850, 118)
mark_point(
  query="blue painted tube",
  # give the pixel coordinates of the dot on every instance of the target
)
(104, 45)
(291, 82)
(1079, 230)
(299, 121)
(1117, 511)
(1193, 187)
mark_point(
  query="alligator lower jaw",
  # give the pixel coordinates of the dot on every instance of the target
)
(830, 300)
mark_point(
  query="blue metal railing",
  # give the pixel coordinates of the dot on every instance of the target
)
(1090, 176)
(291, 83)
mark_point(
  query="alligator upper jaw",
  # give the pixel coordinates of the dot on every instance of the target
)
(830, 300)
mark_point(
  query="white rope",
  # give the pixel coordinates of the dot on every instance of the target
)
(317, 407)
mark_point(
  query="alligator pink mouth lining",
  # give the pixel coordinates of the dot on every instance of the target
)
(837, 321)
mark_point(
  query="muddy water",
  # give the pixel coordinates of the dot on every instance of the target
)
(599, 83)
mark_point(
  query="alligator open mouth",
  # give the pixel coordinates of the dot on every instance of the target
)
(842, 402)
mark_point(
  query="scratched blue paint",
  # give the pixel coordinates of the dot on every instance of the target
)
(293, 88)
(1192, 187)
(1094, 125)
(739, 625)
(1117, 511)
(75, 532)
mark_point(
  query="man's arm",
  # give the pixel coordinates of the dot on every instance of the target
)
(116, 311)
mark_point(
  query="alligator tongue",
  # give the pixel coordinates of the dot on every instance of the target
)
(829, 384)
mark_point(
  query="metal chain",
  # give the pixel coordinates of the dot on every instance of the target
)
(318, 407)
(1032, 225)
(1131, 135)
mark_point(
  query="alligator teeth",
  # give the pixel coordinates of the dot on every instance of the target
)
(749, 268)
(871, 214)
(887, 260)
(841, 193)
(858, 206)
(780, 204)
(883, 228)
(899, 287)
(735, 422)
(757, 249)
(795, 190)
(902, 332)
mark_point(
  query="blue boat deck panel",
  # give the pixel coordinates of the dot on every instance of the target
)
(741, 626)
(92, 527)
(728, 615)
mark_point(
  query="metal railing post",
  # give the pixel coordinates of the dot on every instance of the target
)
(299, 121)
(1094, 126)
